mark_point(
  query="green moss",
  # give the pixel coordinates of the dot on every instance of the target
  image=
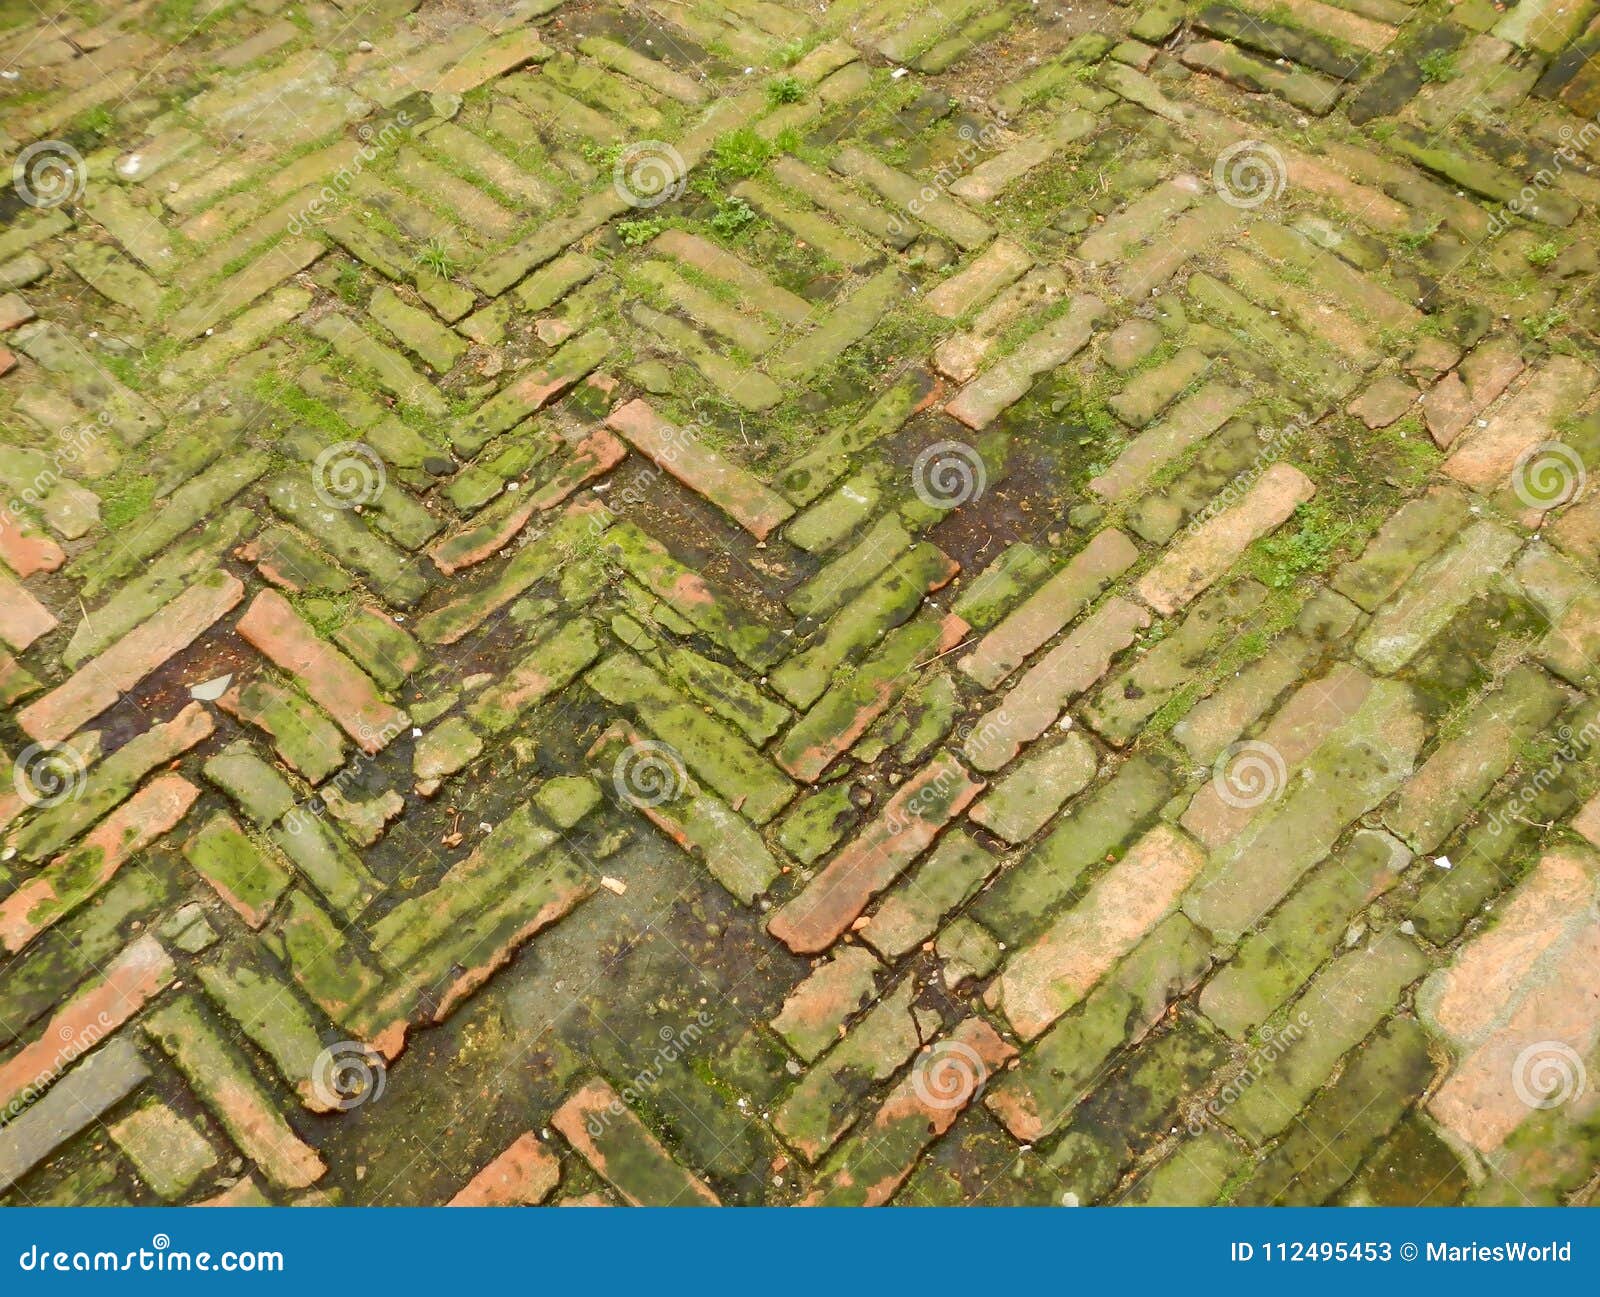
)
(125, 497)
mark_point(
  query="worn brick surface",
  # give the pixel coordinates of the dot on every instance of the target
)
(868, 603)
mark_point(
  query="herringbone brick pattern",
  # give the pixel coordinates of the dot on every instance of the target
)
(776, 603)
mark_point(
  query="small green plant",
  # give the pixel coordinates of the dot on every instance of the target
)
(1415, 239)
(1544, 253)
(1285, 557)
(1535, 327)
(1438, 65)
(741, 153)
(603, 156)
(437, 258)
(98, 121)
(633, 233)
(732, 216)
(785, 90)
(350, 285)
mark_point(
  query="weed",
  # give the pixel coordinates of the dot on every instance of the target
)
(741, 153)
(1534, 327)
(1415, 239)
(436, 257)
(633, 233)
(1438, 65)
(1544, 253)
(604, 156)
(351, 285)
(784, 90)
(732, 216)
(1283, 558)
